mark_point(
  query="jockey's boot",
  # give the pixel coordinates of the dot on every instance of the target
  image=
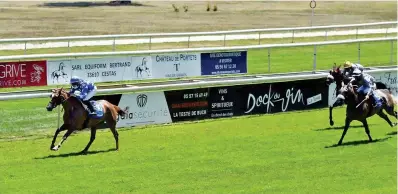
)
(91, 108)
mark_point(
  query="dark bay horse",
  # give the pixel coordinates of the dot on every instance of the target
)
(336, 75)
(366, 109)
(76, 117)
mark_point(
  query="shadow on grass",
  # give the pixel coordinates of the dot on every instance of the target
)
(359, 142)
(75, 154)
(88, 4)
(340, 128)
(392, 133)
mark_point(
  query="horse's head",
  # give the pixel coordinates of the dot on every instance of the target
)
(335, 75)
(58, 96)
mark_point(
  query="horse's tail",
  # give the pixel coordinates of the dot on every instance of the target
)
(119, 110)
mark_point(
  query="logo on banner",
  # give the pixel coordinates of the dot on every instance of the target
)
(148, 108)
(142, 68)
(35, 76)
(142, 100)
(269, 99)
(56, 74)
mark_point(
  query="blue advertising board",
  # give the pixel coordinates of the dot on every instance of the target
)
(224, 63)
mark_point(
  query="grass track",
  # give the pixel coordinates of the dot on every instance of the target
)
(277, 153)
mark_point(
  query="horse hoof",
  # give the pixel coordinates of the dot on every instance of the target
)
(55, 148)
(331, 123)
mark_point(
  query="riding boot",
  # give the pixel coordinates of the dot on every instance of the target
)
(90, 107)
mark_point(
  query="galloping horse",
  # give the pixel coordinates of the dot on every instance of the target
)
(336, 75)
(365, 109)
(76, 117)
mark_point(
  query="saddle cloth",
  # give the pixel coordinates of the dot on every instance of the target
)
(97, 108)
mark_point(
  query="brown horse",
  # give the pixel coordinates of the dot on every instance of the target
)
(336, 75)
(366, 109)
(76, 117)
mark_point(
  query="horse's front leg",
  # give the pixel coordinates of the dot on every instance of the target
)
(339, 102)
(63, 139)
(62, 128)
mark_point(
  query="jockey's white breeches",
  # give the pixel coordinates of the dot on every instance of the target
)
(91, 94)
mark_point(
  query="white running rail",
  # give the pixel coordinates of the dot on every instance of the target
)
(100, 40)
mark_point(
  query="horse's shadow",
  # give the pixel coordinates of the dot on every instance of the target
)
(359, 142)
(75, 154)
(338, 128)
(392, 133)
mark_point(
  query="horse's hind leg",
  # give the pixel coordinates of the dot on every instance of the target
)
(385, 117)
(112, 126)
(365, 124)
(390, 111)
(92, 138)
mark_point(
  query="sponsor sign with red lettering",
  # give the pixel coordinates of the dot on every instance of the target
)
(22, 74)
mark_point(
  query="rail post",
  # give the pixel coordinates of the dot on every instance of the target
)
(114, 44)
(150, 42)
(68, 46)
(359, 52)
(392, 52)
(314, 63)
(293, 36)
(269, 60)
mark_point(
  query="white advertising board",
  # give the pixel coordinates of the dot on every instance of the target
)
(143, 109)
(175, 65)
(99, 69)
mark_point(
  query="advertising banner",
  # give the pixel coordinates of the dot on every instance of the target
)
(224, 63)
(389, 79)
(99, 69)
(143, 108)
(189, 104)
(176, 65)
(22, 74)
(280, 97)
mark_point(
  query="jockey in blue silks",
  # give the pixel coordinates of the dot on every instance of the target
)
(84, 91)
(366, 85)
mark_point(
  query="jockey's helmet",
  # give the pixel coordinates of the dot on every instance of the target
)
(75, 82)
(347, 64)
(357, 73)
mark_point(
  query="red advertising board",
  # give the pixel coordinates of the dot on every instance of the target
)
(23, 73)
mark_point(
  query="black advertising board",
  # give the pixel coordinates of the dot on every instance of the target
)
(247, 99)
(187, 105)
(280, 97)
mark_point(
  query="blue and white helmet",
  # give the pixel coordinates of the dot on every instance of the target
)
(75, 82)
(356, 73)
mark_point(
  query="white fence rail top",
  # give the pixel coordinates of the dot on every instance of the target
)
(68, 38)
(184, 50)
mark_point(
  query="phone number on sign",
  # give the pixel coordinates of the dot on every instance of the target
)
(226, 66)
(103, 74)
(195, 95)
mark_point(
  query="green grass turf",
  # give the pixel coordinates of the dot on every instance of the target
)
(281, 153)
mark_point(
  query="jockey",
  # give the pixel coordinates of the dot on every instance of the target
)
(366, 83)
(84, 91)
(349, 68)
